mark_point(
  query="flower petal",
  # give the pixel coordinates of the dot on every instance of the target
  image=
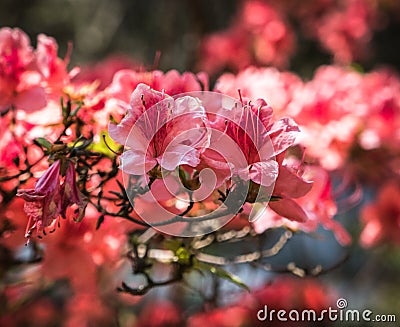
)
(179, 154)
(283, 134)
(290, 184)
(264, 173)
(136, 162)
(289, 209)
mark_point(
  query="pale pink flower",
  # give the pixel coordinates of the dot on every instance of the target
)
(160, 130)
(279, 87)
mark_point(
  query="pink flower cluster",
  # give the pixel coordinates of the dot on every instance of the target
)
(27, 76)
(349, 122)
(337, 110)
(188, 124)
(259, 35)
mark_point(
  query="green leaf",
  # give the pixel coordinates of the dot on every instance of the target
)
(43, 142)
(222, 273)
(73, 113)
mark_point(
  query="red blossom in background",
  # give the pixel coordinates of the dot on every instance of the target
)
(381, 218)
(258, 35)
(282, 294)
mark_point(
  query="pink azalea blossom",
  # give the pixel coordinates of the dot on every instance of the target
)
(53, 69)
(50, 199)
(43, 203)
(250, 142)
(172, 133)
(70, 194)
(116, 96)
(19, 81)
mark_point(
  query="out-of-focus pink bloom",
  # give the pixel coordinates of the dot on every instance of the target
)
(257, 36)
(333, 92)
(273, 38)
(160, 314)
(11, 140)
(103, 71)
(80, 311)
(172, 83)
(317, 204)
(48, 200)
(282, 294)
(232, 316)
(40, 312)
(288, 293)
(329, 110)
(53, 69)
(215, 50)
(381, 126)
(19, 81)
(170, 134)
(346, 30)
(382, 217)
(264, 83)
